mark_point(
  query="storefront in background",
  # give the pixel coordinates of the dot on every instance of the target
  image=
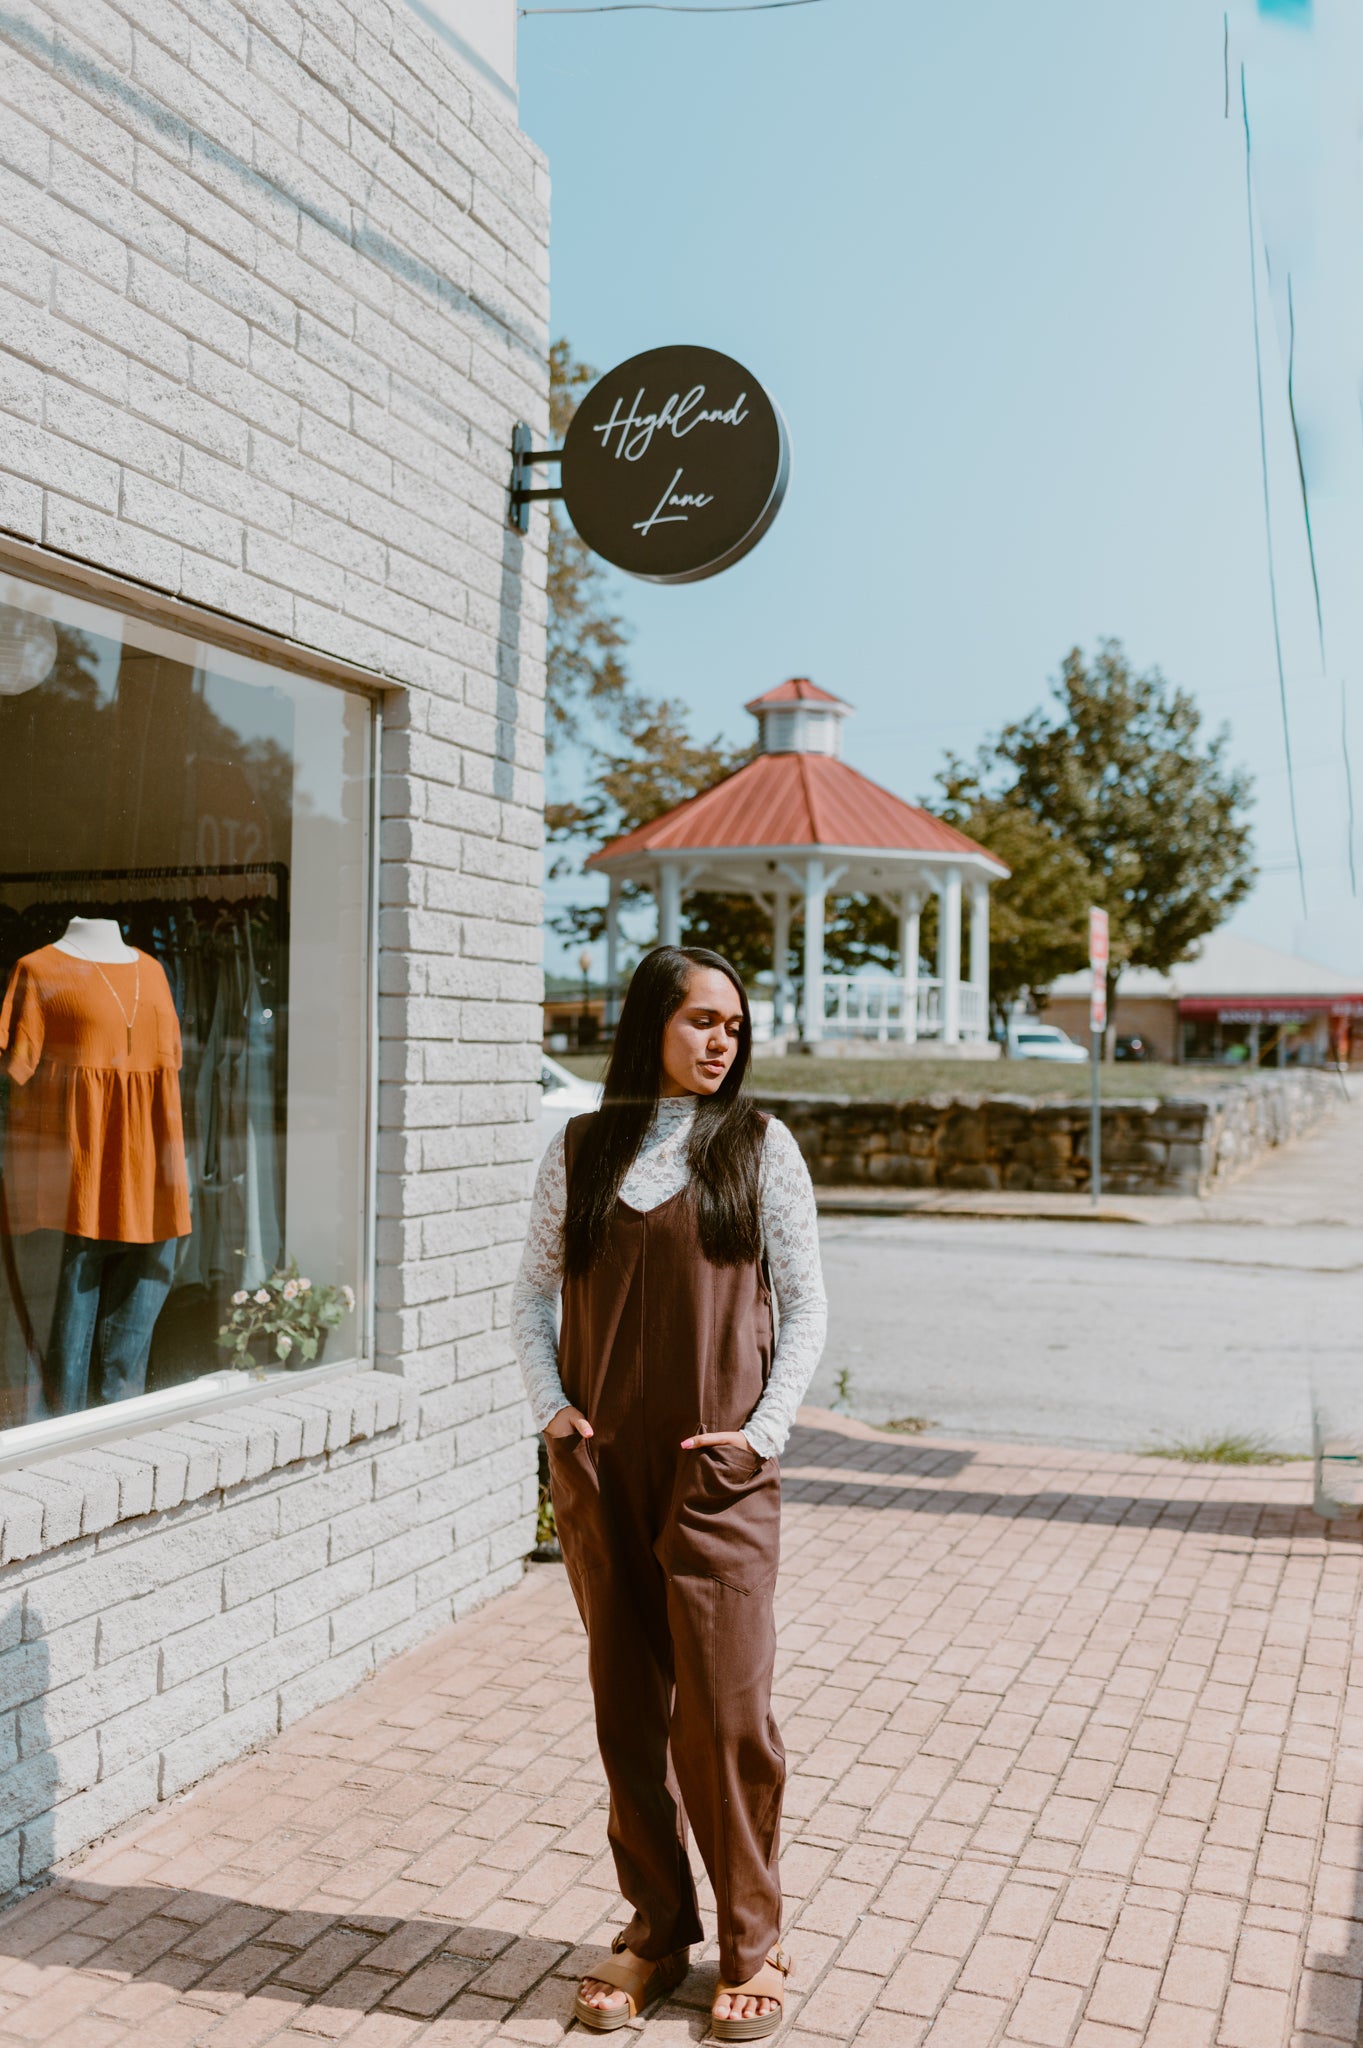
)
(271, 681)
(573, 1022)
(1237, 1004)
(1271, 1032)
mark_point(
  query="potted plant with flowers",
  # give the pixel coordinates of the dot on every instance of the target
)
(285, 1321)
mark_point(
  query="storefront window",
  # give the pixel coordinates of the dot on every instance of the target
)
(1262, 1038)
(183, 1039)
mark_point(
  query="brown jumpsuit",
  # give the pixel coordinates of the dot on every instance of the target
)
(672, 1556)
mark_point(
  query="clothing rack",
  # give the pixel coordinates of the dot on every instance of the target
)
(250, 867)
(73, 888)
(276, 870)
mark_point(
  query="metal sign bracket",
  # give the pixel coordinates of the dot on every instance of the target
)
(524, 456)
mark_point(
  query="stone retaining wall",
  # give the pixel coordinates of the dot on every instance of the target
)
(1179, 1145)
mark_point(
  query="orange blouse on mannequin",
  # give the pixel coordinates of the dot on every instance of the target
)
(95, 1145)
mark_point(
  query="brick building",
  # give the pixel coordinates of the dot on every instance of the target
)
(272, 297)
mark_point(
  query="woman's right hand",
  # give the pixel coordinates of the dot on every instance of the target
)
(566, 1421)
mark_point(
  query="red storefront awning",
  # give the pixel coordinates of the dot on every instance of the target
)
(1269, 1009)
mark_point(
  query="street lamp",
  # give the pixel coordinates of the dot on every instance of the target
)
(585, 1033)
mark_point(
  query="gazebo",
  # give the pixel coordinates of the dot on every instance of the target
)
(791, 827)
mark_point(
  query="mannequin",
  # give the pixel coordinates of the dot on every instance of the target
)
(95, 1150)
(96, 938)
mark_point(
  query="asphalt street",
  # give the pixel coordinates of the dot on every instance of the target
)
(1108, 1335)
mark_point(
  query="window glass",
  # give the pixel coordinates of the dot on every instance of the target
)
(183, 1037)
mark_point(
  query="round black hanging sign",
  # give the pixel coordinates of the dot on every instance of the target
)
(675, 464)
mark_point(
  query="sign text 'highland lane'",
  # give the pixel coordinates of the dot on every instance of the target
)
(678, 416)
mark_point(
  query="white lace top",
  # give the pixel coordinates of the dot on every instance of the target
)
(790, 1233)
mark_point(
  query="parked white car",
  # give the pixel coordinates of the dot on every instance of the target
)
(562, 1095)
(1028, 1040)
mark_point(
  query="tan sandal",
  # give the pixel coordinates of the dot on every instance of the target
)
(640, 1980)
(770, 1982)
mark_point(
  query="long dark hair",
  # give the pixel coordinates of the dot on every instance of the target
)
(725, 1147)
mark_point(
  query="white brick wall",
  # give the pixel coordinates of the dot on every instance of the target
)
(169, 1602)
(272, 295)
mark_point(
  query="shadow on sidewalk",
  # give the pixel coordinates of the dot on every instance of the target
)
(899, 1462)
(34, 1773)
(213, 1950)
(906, 1457)
(1329, 1994)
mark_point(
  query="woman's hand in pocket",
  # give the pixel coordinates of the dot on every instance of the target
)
(719, 1436)
(566, 1421)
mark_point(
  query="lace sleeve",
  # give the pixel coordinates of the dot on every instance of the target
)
(534, 1297)
(790, 1230)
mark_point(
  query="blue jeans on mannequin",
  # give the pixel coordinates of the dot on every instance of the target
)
(109, 1295)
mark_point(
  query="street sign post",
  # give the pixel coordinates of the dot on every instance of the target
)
(1098, 954)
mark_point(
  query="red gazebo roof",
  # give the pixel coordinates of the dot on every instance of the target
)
(798, 690)
(794, 800)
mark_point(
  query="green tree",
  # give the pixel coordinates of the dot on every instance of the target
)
(1038, 917)
(862, 931)
(586, 678)
(656, 765)
(1121, 775)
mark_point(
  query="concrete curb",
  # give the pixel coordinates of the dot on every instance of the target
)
(856, 1201)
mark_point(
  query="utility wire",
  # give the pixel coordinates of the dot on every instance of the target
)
(1268, 512)
(1301, 466)
(1348, 775)
(1315, 579)
(668, 7)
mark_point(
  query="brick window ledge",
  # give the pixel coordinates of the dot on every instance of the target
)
(83, 1492)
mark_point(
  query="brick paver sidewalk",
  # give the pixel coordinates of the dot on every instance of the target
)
(1077, 1757)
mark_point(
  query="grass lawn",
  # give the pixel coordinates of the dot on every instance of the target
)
(889, 1079)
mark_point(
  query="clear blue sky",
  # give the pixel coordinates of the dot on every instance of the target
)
(992, 260)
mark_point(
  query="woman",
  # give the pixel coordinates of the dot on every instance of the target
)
(664, 1405)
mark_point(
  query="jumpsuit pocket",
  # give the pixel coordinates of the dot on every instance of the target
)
(725, 1520)
(575, 1490)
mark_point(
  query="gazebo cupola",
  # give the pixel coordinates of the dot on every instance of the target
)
(799, 718)
(791, 827)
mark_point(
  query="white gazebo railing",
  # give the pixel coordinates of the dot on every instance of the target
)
(974, 1010)
(857, 1006)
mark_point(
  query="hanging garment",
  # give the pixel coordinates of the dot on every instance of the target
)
(234, 1119)
(672, 1557)
(95, 1141)
(185, 964)
(263, 1237)
(213, 1237)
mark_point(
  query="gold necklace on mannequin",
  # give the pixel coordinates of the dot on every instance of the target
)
(137, 993)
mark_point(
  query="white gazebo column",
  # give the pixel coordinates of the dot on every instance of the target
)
(949, 954)
(613, 951)
(814, 909)
(910, 909)
(669, 904)
(979, 949)
(780, 957)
